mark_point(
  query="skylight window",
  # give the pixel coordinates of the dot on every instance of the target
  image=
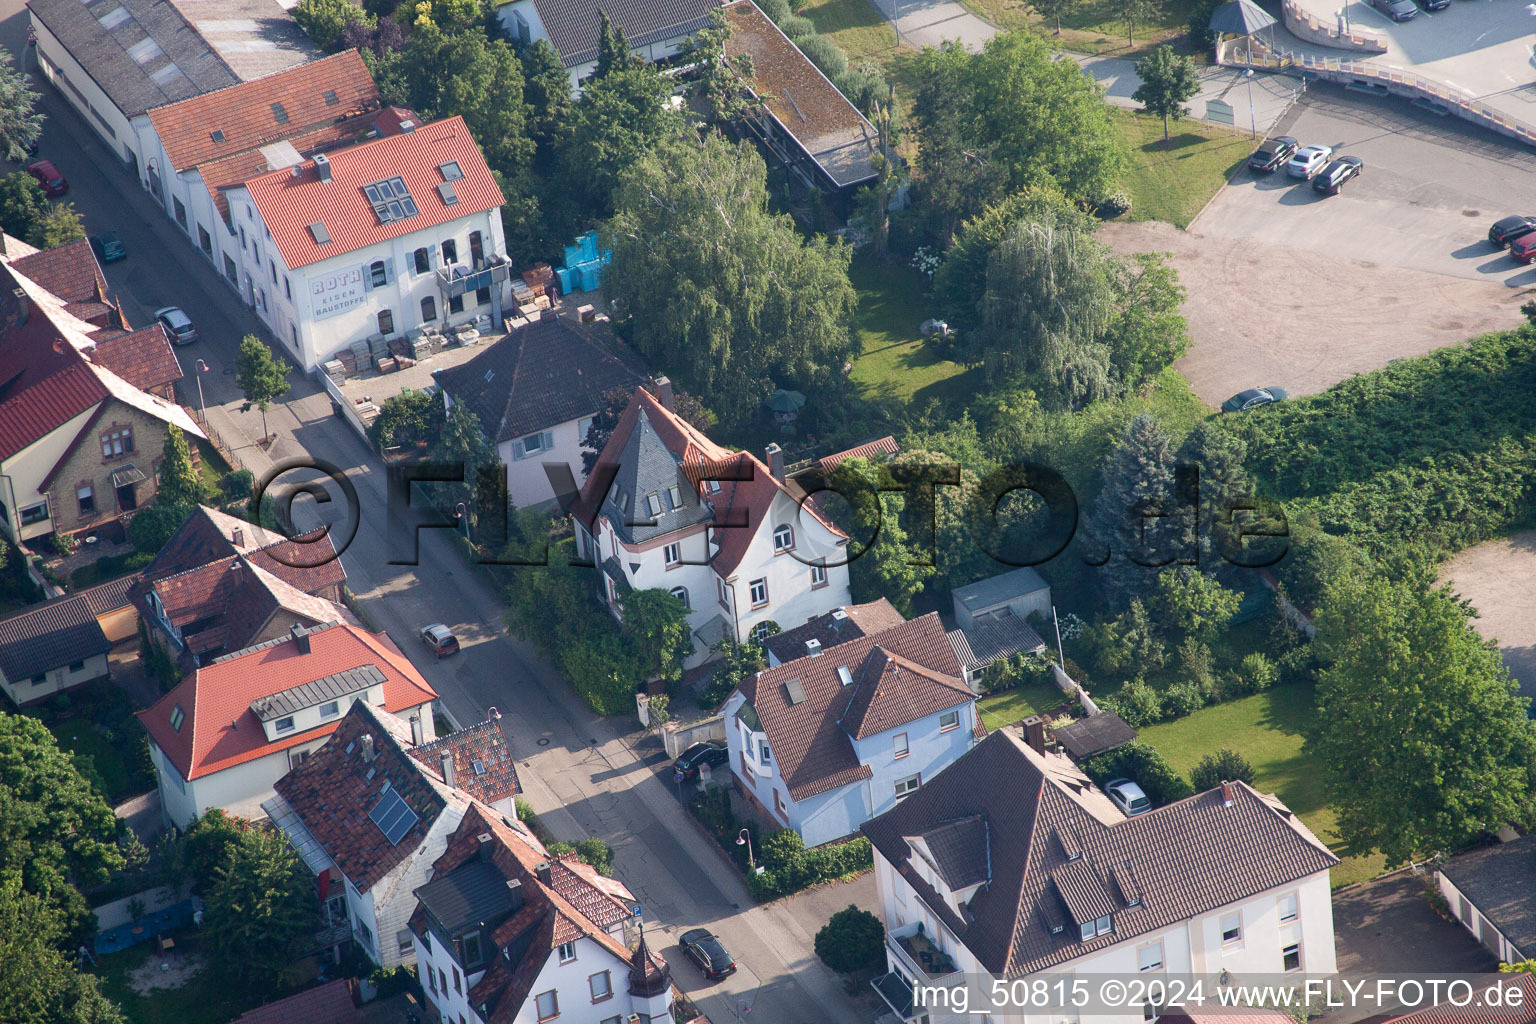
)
(447, 194)
(279, 114)
(177, 717)
(330, 97)
(319, 234)
(450, 171)
(391, 200)
(393, 816)
(217, 135)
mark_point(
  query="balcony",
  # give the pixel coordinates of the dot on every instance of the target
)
(455, 279)
(920, 958)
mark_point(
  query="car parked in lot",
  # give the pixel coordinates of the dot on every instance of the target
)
(1434, 5)
(1397, 10)
(707, 952)
(1271, 156)
(1128, 796)
(1308, 160)
(49, 177)
(688, 763)
(440, 640)
(1332, 178)
(1510, 228)
(107, 247)
(1253, 398)
(1523, 249)
(177, 324)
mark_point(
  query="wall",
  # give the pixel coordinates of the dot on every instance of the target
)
(526, 480)
(25, 470)
(77, 86)
(677, 737)
(393, 896)
(791, 599)
(575, 998)
(85, 465)
(24, 691)
(119, 624)
(929, 752)
(242, 784)
(1473, 921)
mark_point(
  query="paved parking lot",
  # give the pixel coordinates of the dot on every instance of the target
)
(1388, 927)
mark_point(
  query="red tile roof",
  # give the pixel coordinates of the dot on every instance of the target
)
(289, 204)
(69, 271)
(884, 446)
(238, 598)
(44, 381)
(245, 119)
(143, 358)
(810, 739)
(829, 629)
(330, 1003)
(494, 779)
(1508, 1012)
(308, 562)
(219, 729)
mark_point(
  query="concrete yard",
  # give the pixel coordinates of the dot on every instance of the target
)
(1497, 577)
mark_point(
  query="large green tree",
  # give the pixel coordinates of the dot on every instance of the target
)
(263, 378)
(261, 908)
(23, 205)
(39, 984)
(326, 20)
(406, 419)
(56, 833)
(883, 562)
(179, 482)
(1168, 81)
(1423, 743)
(717, 289)
(657, 623)
(1132, 527)
(618, 120)
(20, 123)
(547, 90)
(461, 442)
(61, 225)
(613, 51)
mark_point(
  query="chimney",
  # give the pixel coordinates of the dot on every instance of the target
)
(23, 306)
(774, 456)
(323, 166)
(447, 763)
(1034, 733)
(664, 393)
(493, 715)
(300, 637)
(295, 171)
(1228, 794)
(407, 126)
(367, 742)
(415, 730)
(237, 537)
(813, 648)
(838, 618)
(544, 873)
(515, 891)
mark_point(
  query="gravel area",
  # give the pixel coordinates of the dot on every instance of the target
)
(1496, 577)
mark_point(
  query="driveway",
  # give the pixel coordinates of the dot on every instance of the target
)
(1388, 927)
(1497, 578)
(920, 23)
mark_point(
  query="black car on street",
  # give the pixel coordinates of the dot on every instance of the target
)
(1333, 177)
(686, 767)
(708, 953)
(1272, 156)
(1510, 228)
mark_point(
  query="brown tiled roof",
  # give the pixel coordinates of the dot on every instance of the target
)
(603, 901)
(69, 271)
(231, 170)
(330, 1003)
(483, 767)
(44, 380)
(1188, 858)
(308, 563)
(884, 446)
(109, 596)
(957, 850)
(243, 115)
(143, 358)
(830, 630)
(240, 596)
(889, 690)
(335, 789)
(809, 741)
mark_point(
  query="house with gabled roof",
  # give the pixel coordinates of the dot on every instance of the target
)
(226, 733)
(503, 936)
(536, 393)
(823, 742)
(1011, 862)
(63, 643)
(308, 562)
(1490, 892)
(830, 629)
(373, 808)
(655, 30)
(666, 507)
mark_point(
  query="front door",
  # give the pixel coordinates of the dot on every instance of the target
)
(126, 500)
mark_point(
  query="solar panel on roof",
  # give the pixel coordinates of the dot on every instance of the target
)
(217, 135)
(391, 200)
(279, 114)
(393, 816)
(331, 99)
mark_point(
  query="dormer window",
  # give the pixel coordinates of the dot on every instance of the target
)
(1093, 929)
(474, 953)
(653, 502)
(675, 496)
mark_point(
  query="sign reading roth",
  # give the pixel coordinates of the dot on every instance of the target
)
(336, 293)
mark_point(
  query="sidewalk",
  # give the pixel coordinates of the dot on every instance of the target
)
(1270, 94)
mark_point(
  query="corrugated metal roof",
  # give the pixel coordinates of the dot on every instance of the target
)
(307, 695)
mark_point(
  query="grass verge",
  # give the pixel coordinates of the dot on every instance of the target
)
(1172, 181)
(1267, 729)
(1095, 27)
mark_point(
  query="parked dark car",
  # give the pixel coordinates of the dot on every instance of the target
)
(1271, 156)
(49, 177)
(1397, 10)
(707, 952)
(1332, 178)
(1253, 398)
(108, 248)
(687, 765)
(1434, 5)
(1510, 228)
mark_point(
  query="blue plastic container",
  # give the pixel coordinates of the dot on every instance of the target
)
(574, 255)
(592, 276)
(567, 280)
(589, 247)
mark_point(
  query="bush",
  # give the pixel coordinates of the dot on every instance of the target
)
(1298, 665)
(797, 27)
(1184, 699)
(1222, 766)
(851, 940)
(236, 485)
(1195, 658)
(151, 527)
(777, 10)
(1143, 765)
(825, 54)
(1254, 674)
(391, 981)
(1138, 703)
(811, 867)
(596, 853)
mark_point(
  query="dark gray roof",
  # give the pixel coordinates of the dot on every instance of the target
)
(469, 894)
(150, 55)
(574, 25)
(539, 376)
(111, 595)
(995, 590)
(1095, 734)
(647, 467)
(835, 627)
(993, 637)
(1500, 881)
(318, 691)
(49, 636)
(958, 851)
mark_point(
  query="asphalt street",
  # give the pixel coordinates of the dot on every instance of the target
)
(584, 774)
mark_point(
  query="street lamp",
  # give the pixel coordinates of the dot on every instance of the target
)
(1253, 128)
(744, 838)
(202, 368)
(462, 515)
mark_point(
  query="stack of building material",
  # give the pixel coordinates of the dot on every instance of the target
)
(422, 347)
(348, 361)
(385, 364)
(583, 270)
(362, 355)
(335, 370)
(537, 279)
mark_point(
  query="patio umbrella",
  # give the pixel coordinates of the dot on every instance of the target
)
(785, 401)
(1240, 18)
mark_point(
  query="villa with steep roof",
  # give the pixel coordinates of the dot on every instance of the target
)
(1012, 862)
(823, 742)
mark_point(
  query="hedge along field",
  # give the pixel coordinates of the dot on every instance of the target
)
(1434, 453)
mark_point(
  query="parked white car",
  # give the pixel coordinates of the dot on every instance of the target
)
(1308, 161)
(1129, 797)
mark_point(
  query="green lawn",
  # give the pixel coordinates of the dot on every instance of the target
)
(1010, 706)
(895, 364)
(81, 737)
(1095, 27)
(212, 466)
(1172, 181)
(208, 998)
(1266, 729)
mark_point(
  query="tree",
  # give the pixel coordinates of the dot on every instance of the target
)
(734, 298)
(887, 565)
(327, 20)
(618, 119)
(1168, 81)
(613, 51)
(179, 482)
(657, 623)
(737, 661)
(1147, 333)
(1199, 23)
(1422, 741)
(1193, 603)
(955, 181)
(407, 419)
(1217, 457)
(851, 940)
(1223, 766)
(38, 982)
(547, 90)
(20, 123)
(23, 205)
(260, 908)
(56, 833)
(1134, 11)
(719, 81)
(61, 225)
(1052, 10)
(262, 377)
(151, 527)
(616, 400)
(1122, 529)
(206, 846)
(461, 442)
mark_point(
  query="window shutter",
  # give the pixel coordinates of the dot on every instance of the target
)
(547, 439)
(517, 449)
(389, 270)
(367, 278)
(435, 255)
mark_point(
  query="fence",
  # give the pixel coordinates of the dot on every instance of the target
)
(344, 407)
(229, 454)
